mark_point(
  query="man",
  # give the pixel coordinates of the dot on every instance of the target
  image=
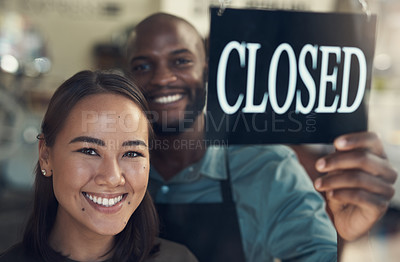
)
(244, 203)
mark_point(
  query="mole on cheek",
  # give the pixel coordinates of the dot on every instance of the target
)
(129, 203)
(83, 209)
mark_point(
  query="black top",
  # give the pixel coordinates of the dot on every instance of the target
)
(169, 252)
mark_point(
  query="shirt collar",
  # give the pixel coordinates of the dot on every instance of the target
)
(214, 164)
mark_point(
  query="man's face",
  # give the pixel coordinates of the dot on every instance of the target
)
(167, 61)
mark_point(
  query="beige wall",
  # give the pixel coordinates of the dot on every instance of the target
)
(72, 27)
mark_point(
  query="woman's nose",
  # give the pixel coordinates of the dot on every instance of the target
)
(110, 174)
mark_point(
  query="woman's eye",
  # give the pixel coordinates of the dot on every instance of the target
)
(88, 151)
(132, 154)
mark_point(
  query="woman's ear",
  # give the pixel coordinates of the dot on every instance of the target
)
(44, 158)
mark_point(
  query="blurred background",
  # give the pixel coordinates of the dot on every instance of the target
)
(44, 42)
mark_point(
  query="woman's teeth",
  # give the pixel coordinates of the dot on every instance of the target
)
(103, 201)
(168, 99)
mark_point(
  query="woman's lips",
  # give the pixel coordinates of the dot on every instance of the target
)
(105, 204)
(104, 201)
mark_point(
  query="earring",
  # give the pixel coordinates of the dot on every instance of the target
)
(44, 172)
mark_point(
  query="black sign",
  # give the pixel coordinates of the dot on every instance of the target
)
(288, 77)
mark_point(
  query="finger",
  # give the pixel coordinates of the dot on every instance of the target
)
(354, 179)
(363, 140)
(359, 197)
(362, 160)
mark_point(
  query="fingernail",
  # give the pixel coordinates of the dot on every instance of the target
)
(341, 142)
(320, 164)
(318, 183)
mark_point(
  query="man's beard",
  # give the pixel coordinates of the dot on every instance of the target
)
(193, 109)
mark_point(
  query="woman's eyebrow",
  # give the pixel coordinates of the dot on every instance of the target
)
(134, 143)
(88, 139)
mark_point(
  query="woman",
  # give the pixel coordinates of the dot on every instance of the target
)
(91, 201)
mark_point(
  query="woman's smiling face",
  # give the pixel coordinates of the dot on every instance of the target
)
(100, 164)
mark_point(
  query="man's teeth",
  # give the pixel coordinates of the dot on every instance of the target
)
(168, 99)
(107, 202)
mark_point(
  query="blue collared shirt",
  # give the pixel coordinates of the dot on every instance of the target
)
(280, 214)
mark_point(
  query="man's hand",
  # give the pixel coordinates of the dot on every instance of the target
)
(358, 183)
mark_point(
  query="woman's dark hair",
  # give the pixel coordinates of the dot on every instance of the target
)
(135, 242)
